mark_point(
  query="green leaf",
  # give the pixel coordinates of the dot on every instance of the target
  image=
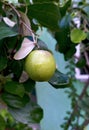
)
(65, 23)
(16, 67)
(77, 35)
(29, 85)
(3, 62)
(42, 1)
(1, 8)
(84, 105)
(47, 14)
(2, 123)
(64, 43)
(36, 114)
(15, 101)
(6, 31)
(86, 9)
(31, 113)
(88, 35)
(26, 2)
(14, 88)
(63, 9)
(59, 80)
(81, 63)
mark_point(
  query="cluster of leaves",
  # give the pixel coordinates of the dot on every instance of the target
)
(17, 25)
(19, 21)
(7, 122)
(78, 117)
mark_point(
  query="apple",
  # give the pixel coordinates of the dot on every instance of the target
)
(40, 65)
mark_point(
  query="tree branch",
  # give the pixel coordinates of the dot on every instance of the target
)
(76, 105)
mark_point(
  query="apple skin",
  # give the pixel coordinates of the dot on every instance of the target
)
(40, 65)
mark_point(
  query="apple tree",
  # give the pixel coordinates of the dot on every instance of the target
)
(68, 23)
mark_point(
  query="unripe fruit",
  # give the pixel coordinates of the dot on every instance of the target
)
(40, 65)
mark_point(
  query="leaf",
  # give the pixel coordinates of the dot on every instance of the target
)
(2, 123)
(64, 9)
(29, 85)
(31, 113)
(3, 62)
(59, 80)
(42, 1)
(14, 2)
(42, 45)
(47, 14)
(6, 31)
(84, 105)
(14, 66)
(15, 88)
(36, 114)
(25, 27)
(64, 43)
(81, 63)
(24, 77)
(86, 9)
(1, 11)
(9, 22)
(65, 22)
(77, 35)
(88, 35)
(26, 47)
(15, 101)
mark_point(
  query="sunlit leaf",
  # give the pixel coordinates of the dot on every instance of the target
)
(77, 35)
(26, 47)
(9, 22)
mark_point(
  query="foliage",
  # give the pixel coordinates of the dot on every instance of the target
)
(19, 22)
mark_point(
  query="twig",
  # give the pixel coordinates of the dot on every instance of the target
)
(86, 57)
(76, 105)
(85, 123)
(18, 14)
(26, 25)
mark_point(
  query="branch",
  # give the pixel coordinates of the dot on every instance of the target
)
(85, 123)
(76, 105)
(19, 16)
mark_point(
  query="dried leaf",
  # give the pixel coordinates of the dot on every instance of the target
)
(25, 49)
(25, 28)
(24, 77)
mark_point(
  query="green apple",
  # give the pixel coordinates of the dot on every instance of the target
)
(40, 65)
